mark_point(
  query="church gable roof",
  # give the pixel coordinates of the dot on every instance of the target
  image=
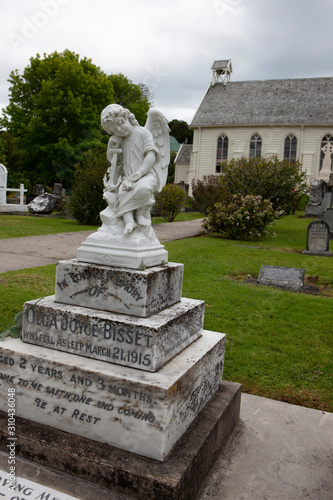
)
(268, 102)
(184, 154)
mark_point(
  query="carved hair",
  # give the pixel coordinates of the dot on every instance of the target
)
(114, 111)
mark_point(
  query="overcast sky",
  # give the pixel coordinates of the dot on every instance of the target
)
(171, 44)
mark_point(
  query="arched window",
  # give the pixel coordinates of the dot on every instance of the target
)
(255, 145)
(328, 139)
(221, 153)
(290, 147)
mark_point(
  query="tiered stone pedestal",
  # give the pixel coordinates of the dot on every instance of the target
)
(179, 477)
(120, 359)
(141, 343)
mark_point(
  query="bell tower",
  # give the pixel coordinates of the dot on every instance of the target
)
(221, 71)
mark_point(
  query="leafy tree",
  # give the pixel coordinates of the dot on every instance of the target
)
(130, 96)
(3, 155)
(170, 201)
(147, 92)
(54, 112)
(9, 154)
(86, 199)
(181, 131)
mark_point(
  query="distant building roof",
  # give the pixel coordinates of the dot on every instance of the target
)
(224, 63)
(184, 154)
(174, 144)
(268, 102)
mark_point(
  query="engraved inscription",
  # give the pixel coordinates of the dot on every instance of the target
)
(70, 394)
(96, 289)
(113, 336)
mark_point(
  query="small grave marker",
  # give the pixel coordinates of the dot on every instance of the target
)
(289, 278)
(3, 184)
(318, 238)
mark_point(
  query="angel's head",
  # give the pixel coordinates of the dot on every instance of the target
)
(118, 120)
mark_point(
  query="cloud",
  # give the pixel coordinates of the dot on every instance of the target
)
(172, 45)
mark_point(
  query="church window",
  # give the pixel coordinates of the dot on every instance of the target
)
(327, 141)
(221, 153)
(290, 147)
(255, 146)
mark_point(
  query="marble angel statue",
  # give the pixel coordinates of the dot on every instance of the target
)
(139, 159)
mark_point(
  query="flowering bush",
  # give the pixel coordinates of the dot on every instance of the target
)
(244, 217)
(282, 182)
(206, 192)
(170, 201)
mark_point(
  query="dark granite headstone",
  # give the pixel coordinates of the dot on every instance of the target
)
(57, 189)
(318, 238)
(290, 278)
(38, 189)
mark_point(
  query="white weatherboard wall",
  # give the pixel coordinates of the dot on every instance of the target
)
(203, 159)
(182, 173)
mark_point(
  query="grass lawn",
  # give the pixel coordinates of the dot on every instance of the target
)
(279, 343)
(16, 226)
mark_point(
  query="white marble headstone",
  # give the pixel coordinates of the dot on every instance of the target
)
(3, 184)
(145, 413)
(142, 343)
(134, 292)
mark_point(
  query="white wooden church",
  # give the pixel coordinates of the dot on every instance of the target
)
(290, 118)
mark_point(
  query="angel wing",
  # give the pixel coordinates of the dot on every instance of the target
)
(157, 125)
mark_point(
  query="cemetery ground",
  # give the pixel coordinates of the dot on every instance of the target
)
(279, 343)
(18, 226)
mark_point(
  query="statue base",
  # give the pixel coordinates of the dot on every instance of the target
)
(132, 251)
(111, 247)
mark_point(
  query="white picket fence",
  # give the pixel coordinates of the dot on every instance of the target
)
(10, 207)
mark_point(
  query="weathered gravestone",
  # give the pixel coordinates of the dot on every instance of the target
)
(117, 358)
(289, 278)
(318, 238)
(38, 189)
(3, 184)
(43, 204)
(57, 189)
(320, 197)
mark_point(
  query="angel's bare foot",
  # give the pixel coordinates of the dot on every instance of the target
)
(142, 221)
(142, 216)
(129, 223)
(129, 228)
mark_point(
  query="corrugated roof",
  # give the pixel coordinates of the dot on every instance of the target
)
(184, 154)
(174, 144)
(268, 102)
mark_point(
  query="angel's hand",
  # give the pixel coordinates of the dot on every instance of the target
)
(126, 185)
(136, 176)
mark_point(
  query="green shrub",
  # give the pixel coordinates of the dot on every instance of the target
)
(283, 183)
(243, 217)
(16, 178)
(170, 201)
(206, 192)
(86, 199)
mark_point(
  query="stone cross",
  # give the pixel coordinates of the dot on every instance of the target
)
(326, 171)
(3, 185)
